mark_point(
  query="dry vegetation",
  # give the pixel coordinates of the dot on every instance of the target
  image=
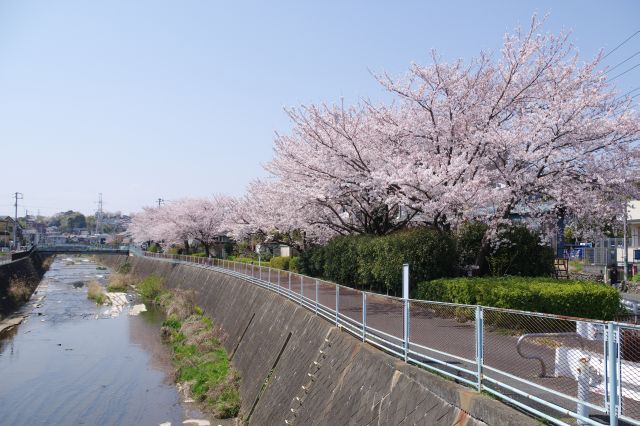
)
(120, 282)
(19, 290)
(96, 292)
(46, 263)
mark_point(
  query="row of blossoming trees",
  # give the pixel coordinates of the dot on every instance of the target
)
(529, 128)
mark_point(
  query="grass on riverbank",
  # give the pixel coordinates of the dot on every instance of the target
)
(201, 362)
(95, 292)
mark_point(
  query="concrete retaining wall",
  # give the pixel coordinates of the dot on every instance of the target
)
(28, 269)
(314, 372)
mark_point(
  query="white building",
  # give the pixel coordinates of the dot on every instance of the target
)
(633, 235)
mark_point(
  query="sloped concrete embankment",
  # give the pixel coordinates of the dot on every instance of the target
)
(298, 368)
(28, 270)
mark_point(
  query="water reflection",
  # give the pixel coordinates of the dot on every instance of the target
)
(67, 365)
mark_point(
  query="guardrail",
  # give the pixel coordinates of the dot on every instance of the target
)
(595, 377)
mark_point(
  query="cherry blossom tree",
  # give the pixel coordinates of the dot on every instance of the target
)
(270, 211)
(534, 128)
(178, 222)
(530, 129)
(328, 164)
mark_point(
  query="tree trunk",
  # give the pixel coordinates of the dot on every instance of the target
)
(485, 248)
(481, 258)
(206, 249)
(186, 246)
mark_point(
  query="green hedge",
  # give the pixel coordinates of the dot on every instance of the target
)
(376, 262)
(293, 264)
(520, 251)
(560, 297)
(280, 262)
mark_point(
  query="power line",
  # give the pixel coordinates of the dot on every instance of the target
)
(627, 94)
(617, 65)
(623, 73)
(631, 91)
(621, 44)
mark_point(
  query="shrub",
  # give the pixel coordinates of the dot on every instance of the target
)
(547, 295)
(377, 261)
(468, 241)
(293, 263)
(151, 288)
(522, 254)
(125, 268)
(520, 251)
(340, 259)
(280, 262)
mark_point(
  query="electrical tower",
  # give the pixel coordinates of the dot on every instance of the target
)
(99, 215)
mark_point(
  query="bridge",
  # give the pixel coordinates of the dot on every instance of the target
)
(79, 249)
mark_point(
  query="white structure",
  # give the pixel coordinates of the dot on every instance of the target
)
(633, 236)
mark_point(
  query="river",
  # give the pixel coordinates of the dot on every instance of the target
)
(71, 362)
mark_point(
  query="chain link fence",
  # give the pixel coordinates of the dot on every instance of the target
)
(562, 370)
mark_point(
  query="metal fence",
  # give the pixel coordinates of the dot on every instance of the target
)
(560, 369)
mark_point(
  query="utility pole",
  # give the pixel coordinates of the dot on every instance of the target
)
(625, 255)
(160, 202)
(18, 196)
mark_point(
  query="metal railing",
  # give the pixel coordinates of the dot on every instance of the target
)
(80, 248)
(551, 366)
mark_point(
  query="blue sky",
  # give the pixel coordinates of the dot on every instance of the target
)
(146, 99)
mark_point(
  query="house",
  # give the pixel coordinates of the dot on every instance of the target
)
(6, 231)
(633, 235)
(55, 239)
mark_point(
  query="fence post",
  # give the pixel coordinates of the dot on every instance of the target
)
(316, 297)
(364, 316)
(259, 271)
(301, 288)
(612, 367)
(405, 297)
(479, 345)
(269, 275)
(337, 302)
(289, 284)
(278, 280)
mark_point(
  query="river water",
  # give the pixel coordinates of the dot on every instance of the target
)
(71, 362)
